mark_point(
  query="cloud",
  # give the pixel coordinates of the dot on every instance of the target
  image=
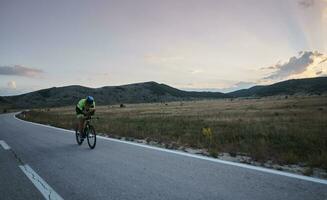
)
(306, 3)
(224, 86)
(238, 86)
(270, 67)
(9, 89)
(12, 84)
(19, 70)
(307, 64)
(162, 59)
(318, 73)
(196, 71)
(293, 66)
(243, 84)
(324, 60)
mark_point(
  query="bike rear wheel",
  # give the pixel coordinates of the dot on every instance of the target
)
(91, 137)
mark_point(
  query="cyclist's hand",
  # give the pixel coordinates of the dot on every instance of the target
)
(92, 110)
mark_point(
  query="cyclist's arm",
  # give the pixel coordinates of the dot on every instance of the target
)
(91, 110)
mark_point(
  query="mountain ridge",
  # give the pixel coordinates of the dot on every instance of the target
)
(148, 92)
(316, 85)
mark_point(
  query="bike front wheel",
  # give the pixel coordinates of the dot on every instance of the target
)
(91, 137)
(79, 139)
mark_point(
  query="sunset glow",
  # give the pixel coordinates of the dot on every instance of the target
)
(194, 45)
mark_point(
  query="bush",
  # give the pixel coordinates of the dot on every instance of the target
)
(213, 153)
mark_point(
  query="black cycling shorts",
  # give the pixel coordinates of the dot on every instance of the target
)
(78, 111)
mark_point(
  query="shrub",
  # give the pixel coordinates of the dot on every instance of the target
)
(213, 153)
(207, 133)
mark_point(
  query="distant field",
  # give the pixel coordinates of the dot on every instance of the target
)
(284, 130)
(7, 109)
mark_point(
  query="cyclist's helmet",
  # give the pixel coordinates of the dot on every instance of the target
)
(89, 100)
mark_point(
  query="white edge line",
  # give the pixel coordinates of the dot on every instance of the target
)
(40, 184)
(4, 145)
(242, 165)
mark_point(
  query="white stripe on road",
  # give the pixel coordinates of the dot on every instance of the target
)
(271, 171)
(242, 165)
(47, 126)
(4, 145)
(40, 184)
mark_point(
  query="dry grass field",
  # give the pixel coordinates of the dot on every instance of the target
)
(284, 130)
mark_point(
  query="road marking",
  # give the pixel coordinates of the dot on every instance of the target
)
(47, 126)
(4, 145)
(242, 165)
(40, 184)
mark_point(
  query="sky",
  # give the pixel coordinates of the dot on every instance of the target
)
(215, 45)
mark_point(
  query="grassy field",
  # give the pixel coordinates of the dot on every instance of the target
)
(283, 130)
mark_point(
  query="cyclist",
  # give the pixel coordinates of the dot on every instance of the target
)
(84, 108)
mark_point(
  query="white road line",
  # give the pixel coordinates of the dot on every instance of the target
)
(242, 165)
(4, 145)
(271, 171)
(40, 184)
(47, 126)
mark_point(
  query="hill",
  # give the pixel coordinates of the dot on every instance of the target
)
(132, 93)
(154, 92)
(306, 86)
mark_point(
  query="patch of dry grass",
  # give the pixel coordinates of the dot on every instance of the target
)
(286, 131)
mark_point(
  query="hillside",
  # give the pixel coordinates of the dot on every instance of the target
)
(154, 92)
(290, 87)
(132, 93)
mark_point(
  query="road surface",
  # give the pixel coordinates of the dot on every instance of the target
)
(38, 162)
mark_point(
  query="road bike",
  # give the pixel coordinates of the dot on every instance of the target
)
(89, 133)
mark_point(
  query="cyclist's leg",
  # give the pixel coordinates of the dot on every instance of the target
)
(81, 122)
(80, 118)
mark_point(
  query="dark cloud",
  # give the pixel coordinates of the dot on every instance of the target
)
(270, 67)
(306, 3)
(293, 66)
(11, 84)
(242, 85)
(18, 70)
(323, 61)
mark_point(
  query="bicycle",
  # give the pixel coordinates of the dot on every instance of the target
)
(89, 133)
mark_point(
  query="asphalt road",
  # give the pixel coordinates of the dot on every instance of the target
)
(116, 170)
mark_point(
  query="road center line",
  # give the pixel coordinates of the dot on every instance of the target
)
(4, 145)
(241, 165)
(40, 184)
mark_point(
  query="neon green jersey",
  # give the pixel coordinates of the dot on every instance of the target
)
(82, 104)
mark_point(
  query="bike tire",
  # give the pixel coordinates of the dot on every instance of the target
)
(79, 140)
(91, 137)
